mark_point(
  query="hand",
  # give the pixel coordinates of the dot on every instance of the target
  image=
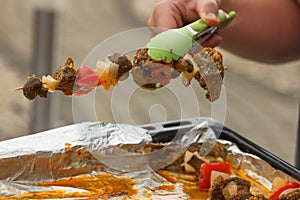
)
(266, 31)
(177, 13)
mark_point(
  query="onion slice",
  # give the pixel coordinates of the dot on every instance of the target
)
(49, 82)
(108, 73)
(186, 76)
(215, 174)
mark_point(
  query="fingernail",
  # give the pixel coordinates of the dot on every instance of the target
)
(211, 16)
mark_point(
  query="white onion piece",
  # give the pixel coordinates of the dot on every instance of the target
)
(100, 67)
(215, 174)
(186, 76)
(113, 73)
(277, 183)
(189, 168)
(49, 82)
(230, 190)
(188, 156)
(108, 73)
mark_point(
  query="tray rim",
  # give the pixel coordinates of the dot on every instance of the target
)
(160, 130)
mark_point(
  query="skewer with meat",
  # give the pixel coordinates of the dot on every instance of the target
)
(62, 79)
(81, 81)
(205, 66)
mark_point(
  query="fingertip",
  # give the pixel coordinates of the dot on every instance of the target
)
(211, 19)
(208, 11)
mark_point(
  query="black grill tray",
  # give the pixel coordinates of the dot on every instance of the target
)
(165, 131)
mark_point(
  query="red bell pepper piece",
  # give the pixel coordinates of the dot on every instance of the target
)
(207, 168)
(86, 80)
(276, 194)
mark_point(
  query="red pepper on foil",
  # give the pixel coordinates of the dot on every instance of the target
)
(86, 80)
(207, 168)
(291, 185)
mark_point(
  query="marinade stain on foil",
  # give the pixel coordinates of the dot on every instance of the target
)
(98, 186)
(65, 153)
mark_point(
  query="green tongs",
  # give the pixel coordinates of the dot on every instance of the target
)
(173, 44)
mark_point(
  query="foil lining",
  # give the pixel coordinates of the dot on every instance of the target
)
(63, 151)
(75, 150)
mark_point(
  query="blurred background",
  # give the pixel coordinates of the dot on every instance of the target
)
(36, 36)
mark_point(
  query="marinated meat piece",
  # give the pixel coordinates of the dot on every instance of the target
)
(176, 166)
(123, 62)
(195, 162)
(195, 147)
(66, 75)
(231, 188)
(149, 73)
(218, 151)
(182, 65)
(242, 196)
(293, 195)
(143, 76)
(43, 92)
(141, 57)
(248, 196)
(33, 87)
(211, 71)
(258, 197)
(187, 163)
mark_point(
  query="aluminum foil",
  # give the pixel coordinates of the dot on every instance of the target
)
(63, 151)
(79, 148)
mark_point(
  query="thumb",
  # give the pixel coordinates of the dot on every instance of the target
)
(208, 11)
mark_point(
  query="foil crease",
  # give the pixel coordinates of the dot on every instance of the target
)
(70, 150)
(63, 151)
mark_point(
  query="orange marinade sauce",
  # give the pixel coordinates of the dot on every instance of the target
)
(101, 186)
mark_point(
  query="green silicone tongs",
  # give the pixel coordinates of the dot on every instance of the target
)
(174, 43)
